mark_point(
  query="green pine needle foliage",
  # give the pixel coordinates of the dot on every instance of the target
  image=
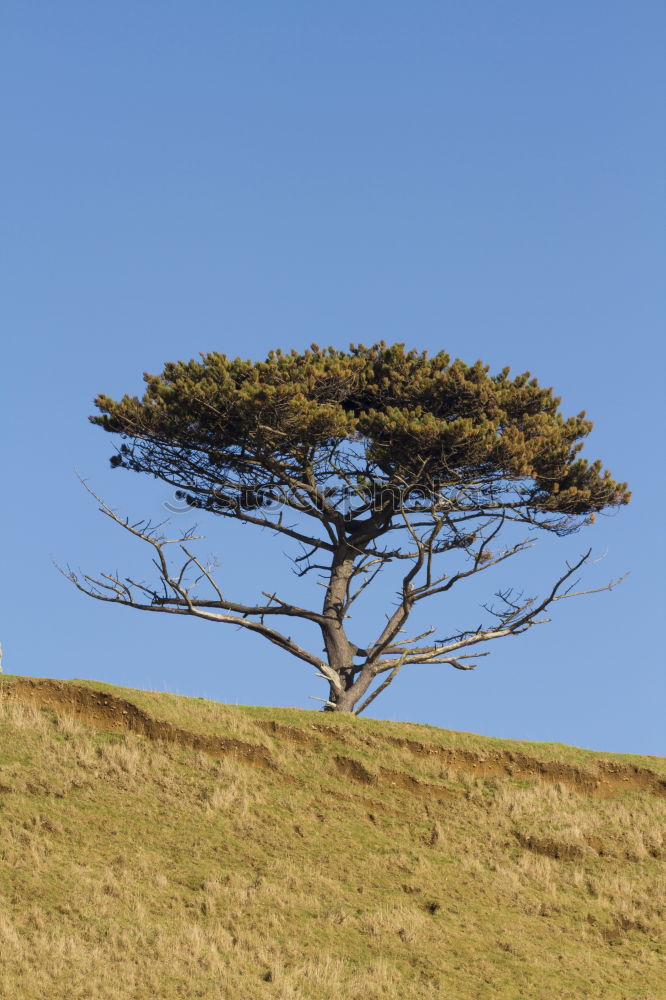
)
(404, 417)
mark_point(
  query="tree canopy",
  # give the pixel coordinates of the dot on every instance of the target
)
(373, 455)
(421, 422)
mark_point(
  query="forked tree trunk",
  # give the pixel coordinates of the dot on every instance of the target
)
(339, 650)
(353, 690)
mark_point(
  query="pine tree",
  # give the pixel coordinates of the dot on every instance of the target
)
(373, 456)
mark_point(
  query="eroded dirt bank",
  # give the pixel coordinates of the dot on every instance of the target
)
(107, 711)
(97, 708)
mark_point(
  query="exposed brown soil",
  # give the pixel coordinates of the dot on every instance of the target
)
(291, 733)
(98, 708)
(355, 770)
(109, 712)
(422, 789)
(562, 851)
(550, 848)
(608, 777)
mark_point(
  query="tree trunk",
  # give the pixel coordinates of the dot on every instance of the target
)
(353, 691)
(339, 701)
(339, 650)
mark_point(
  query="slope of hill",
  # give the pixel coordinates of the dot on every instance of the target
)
(153, 846)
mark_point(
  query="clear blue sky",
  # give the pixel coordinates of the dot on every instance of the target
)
(485, 178)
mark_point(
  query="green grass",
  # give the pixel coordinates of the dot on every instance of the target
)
(206, 717)
(136, 870)
(209, 717)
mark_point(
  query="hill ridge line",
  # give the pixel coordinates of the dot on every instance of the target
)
(111, 712)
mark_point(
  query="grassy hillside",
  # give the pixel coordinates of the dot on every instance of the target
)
(155, 847)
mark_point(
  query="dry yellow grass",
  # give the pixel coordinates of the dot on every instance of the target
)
(348, 868)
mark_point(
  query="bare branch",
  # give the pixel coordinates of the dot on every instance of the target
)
(177, 598)
(382, 687)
